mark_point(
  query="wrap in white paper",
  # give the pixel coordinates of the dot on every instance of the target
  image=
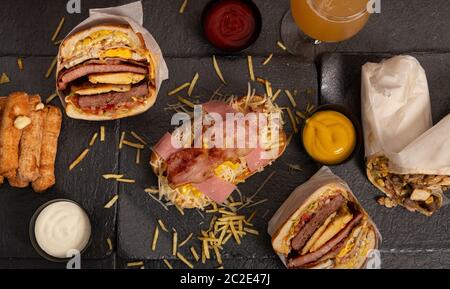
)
(396, 117)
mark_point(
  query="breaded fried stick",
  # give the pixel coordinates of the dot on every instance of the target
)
(31, 143)
(2, 107)
(15, 116)
(51, 131)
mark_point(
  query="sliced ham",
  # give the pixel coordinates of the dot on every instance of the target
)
(112, 98)
(219, 107)
(216, 188)
(301, 260)
(165, 147)
(93, 67)
(255, 159)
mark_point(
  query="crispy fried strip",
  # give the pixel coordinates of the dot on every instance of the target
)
(17, 104)
(2, 107)
(30, 147)
(17, 182)
(52, 128)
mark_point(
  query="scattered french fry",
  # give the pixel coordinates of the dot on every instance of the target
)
(185, 101)
(184, 260)
(78, 159)
(20, 63)
(281, 45)
(185, 240)
(138, 156)
(112, 176)
(132, 144)
(179, 88)
(167, 264)
(183, 6)
(4, 78)
(174, 243)
(129, 181)
(290, 97)
(155, 238)
(122, 137)
(267, 60)
(136, 136)
(193, 83)
(109, 242)
(102, 133)
(194, 254)
(250, 67)
(51, 68)
(111, 202)
(135, 264)
(93, 139)
(163, 226)
(58, 29)
(50, 98)
(217, 69)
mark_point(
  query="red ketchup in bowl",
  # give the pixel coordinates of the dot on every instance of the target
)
(231, 25)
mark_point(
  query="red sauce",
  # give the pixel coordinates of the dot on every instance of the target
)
(231, 25)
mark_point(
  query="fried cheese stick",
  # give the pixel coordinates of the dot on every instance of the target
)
(2, 107)
(51, 131)
(17, 105)
(30, 146)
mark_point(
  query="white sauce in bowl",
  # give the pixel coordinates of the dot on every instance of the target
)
(60, 227)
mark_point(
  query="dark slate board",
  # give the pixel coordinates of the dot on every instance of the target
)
(180, 35)
(409, 235)
(138, 213)
(83, 185)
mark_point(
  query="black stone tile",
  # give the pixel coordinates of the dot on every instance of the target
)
(138, 213)
(401, 230)
(83, 184)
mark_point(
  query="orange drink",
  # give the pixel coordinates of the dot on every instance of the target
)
(330, 20)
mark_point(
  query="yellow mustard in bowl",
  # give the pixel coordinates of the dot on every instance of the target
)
(329, 137)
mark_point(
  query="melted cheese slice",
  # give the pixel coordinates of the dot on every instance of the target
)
(116, 78)
(90, 89)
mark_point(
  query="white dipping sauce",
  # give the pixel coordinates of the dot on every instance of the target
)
(60, 227)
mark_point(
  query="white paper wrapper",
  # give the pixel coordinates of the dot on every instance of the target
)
(133, 15)
(301, 194)
(428, 154)
(395, 104)
(396, 116)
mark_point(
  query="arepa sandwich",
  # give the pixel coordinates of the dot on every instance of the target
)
(196, 177)
(323, 229)
(106, 72)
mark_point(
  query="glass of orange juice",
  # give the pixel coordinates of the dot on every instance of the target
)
(322, 21)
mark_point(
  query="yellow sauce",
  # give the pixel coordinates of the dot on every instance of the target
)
(329, 137)
(118, 52)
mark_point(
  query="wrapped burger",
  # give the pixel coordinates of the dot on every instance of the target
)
(109, 66)
(322, 225)
(405, 158)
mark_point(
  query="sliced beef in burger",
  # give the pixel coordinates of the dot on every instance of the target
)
(301, 260)
(306, 229)
(103, 100)
(96, 66)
